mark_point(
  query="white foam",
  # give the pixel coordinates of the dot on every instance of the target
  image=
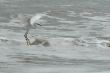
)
(72, 14)
(69, 22)
(11, 39)
(98, 18)
(49, 15)
(54, 17)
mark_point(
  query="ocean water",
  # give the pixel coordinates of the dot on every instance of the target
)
(77, 31)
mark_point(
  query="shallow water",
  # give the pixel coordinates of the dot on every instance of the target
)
(78, 33)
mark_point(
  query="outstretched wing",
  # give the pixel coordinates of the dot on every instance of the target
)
(36, 18)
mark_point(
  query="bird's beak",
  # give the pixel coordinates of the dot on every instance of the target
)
(35, 25)
(39, 24)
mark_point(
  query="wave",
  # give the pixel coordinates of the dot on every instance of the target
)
(68, 22)
(40, 17)
(61, 42)
(4, 40)
(98, 18)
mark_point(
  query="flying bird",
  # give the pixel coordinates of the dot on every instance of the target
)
(29, 22)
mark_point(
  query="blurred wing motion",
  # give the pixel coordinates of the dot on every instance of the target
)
(36, 19)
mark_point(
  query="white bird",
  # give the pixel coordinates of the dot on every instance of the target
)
(29, 22)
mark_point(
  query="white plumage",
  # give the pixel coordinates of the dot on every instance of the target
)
(36, 18)
(29, 22)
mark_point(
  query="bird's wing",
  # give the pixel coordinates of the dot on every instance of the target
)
(36, 18)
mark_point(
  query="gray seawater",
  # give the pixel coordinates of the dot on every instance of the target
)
(77, 31)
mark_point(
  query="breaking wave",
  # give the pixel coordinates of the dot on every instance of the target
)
(61, 42)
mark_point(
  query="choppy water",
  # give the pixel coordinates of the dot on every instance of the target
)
(77, 31)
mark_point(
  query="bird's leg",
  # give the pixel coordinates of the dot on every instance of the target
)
(26, 38)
